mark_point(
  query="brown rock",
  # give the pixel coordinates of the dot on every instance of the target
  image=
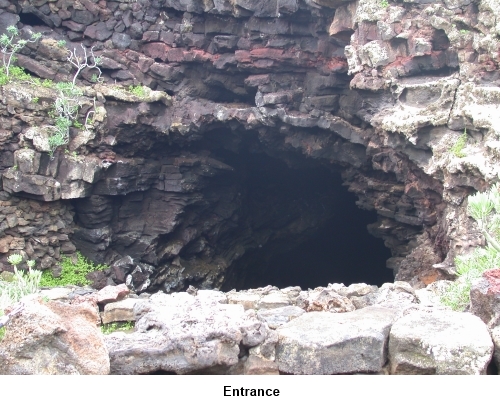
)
(53, 338)
(112, 293)
(36, 67)
(5, 243)
(259, 366)
(485, 298)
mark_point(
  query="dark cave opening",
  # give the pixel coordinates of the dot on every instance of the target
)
(342, 251)
(333, 247)
(30, 19)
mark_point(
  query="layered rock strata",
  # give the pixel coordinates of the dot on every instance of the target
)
(381, 94)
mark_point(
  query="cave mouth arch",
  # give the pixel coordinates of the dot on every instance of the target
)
(328, 239)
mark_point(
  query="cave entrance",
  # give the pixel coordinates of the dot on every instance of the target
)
(314, 233)
(341, 251)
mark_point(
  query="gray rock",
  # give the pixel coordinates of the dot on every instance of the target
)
(247, 299)
(274, 299)
(121, 41)
(58, 293)
(329, 343)
(439, 342)
(324, 299)
(45, 188)
(279, 316)
(258, 366)
(184, 333)
(119, 311)
(98, 31)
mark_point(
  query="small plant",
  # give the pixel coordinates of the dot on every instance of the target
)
(186, 26)
(15, 259)
(72, 273)
(138, 91)
(485, 209)
(35, 100)
(78, 125)
(384, 3)
(116, 327)
(22, 283)
(61, 43)
(464, 32)
(85, 60)
(95, 78)
(67, 104)
(10, 45)
(47, 83)
(65, 114)
(16, 73)
(457, 148)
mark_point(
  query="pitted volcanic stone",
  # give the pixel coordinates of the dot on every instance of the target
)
(335, 343)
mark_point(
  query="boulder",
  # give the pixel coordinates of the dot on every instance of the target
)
(485, 298)
(184, 333)
(120, 311)
(335, 343)
(53, 338)
(439, 342)
(44, 188)
(112, 293)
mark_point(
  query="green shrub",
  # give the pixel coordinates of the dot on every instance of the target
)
(468, 269)
(22, 284)
(65, 113)
(72, 273)
(138, 91)
(117, 326)
(457, 148)
(10, 45)
(485, 209)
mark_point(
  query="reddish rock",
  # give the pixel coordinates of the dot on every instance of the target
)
(112, 293)
(53, 338)
(485, 298)
(156, 50)
(493, 277)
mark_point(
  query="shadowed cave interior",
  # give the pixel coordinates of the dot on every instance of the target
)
(283, 220)
(336, 248)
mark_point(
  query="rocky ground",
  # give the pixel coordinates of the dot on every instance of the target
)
(359, 329)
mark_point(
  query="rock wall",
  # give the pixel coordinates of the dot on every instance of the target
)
(379, 93)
